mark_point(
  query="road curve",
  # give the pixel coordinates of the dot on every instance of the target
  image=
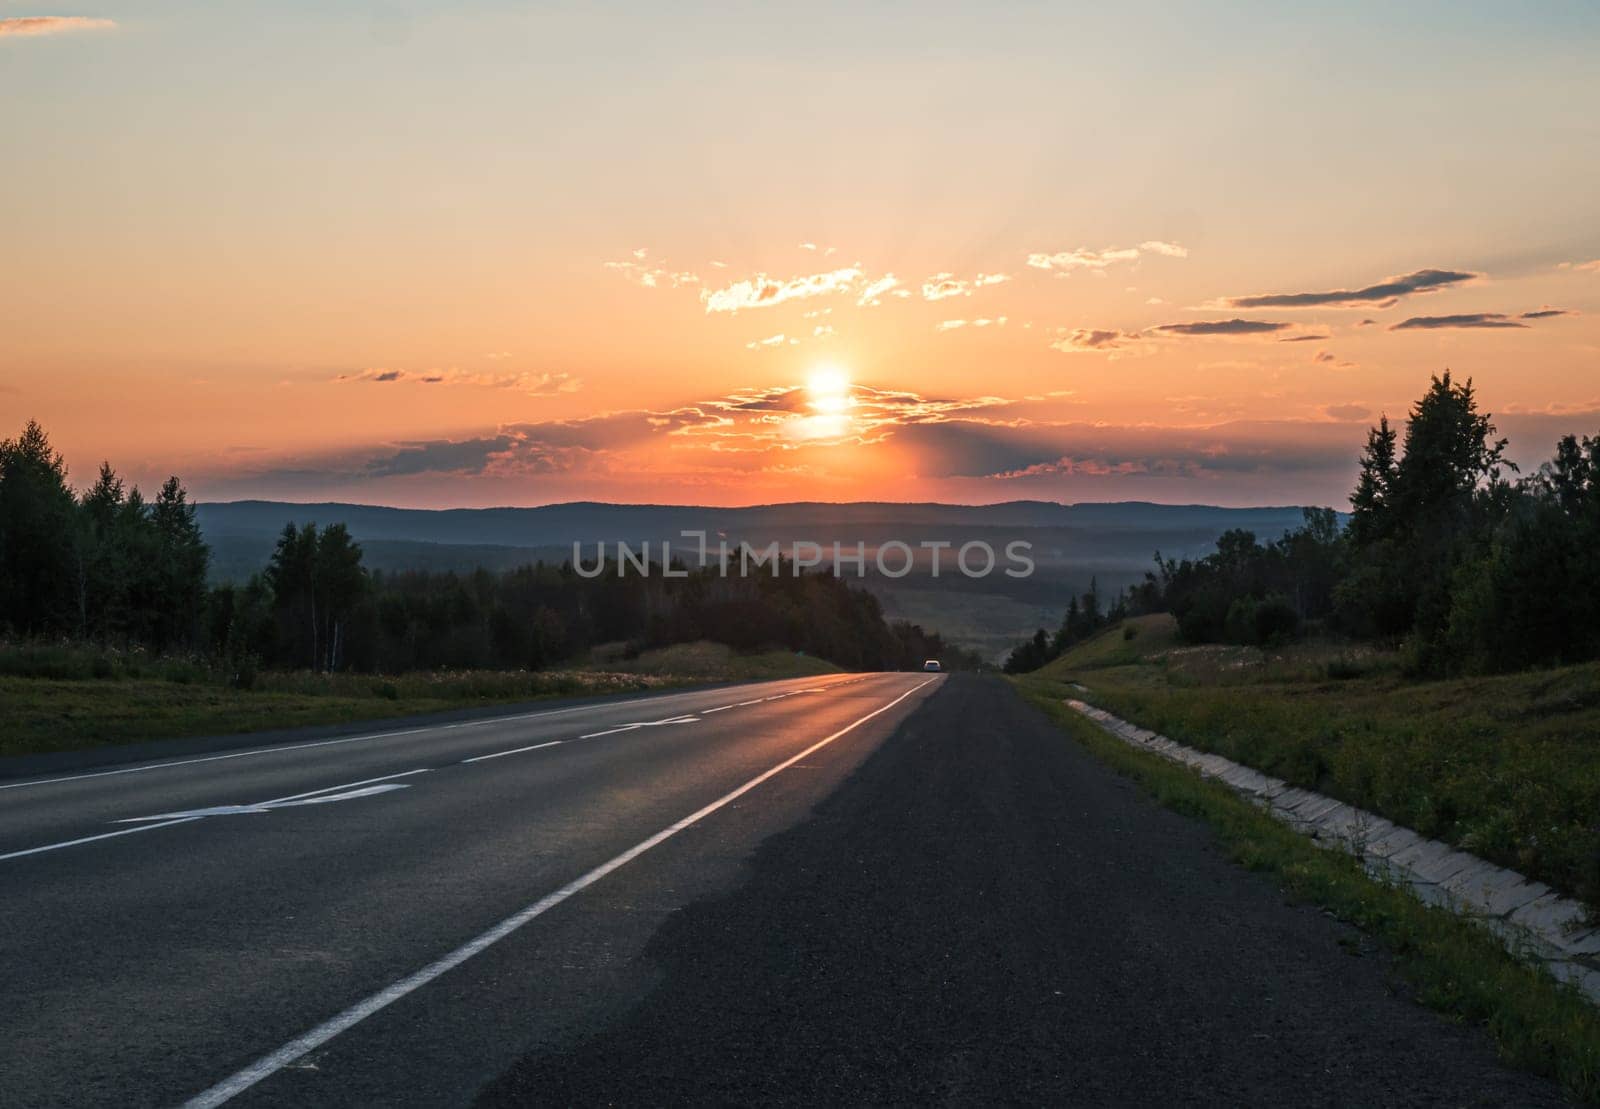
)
(391, 917)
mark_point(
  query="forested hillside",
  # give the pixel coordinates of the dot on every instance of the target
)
(105, 565)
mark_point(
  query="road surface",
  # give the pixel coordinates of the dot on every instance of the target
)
(389, 918)
(893, 889)
(984, 914)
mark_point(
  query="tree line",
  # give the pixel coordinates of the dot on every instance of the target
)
(1449, 553)
(107, 566)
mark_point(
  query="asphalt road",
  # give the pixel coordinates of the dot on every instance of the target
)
(392, 918)
(983, 914)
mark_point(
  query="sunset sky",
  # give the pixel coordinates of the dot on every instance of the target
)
(486, 253)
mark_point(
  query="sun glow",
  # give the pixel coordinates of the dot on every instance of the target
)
(829, 388)
(829, 400)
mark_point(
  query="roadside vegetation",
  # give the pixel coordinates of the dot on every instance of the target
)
(1506, 767)
(1452, 965)
(1430, 659)
(1447, 556)
(111, 631)
(64, 697)
(105, 566)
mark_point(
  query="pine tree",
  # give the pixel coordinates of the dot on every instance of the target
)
(36, 536)
(1369, 519)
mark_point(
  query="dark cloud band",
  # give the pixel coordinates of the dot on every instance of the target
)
(1223, 327)
(1384, 292)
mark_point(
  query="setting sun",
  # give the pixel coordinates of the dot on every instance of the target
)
(829, 388)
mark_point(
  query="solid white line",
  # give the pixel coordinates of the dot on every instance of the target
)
(91, 839)
(269, 1065)
(515, 751)
(355, 739)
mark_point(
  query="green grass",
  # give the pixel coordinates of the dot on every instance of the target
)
(66, 698)
(1453, 965)
(1506, 767)
(50, 714)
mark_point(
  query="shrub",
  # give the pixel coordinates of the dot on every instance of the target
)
(1275, 621)
(1240, 625)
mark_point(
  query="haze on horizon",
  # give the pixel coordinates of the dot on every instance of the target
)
(487, 253)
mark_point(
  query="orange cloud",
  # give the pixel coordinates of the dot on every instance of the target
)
(762, 291)
(982, 321)
(1064, 261)
(546, 384)
(1082, 339)
(637, 270)
(30, 25)
(943, 285)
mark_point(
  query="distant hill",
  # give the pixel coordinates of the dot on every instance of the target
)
(587, 522)
(1072, 544)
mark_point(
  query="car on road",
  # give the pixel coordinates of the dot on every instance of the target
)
(932, 666)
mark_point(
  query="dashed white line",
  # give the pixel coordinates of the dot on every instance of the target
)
(300, 1046)
(255, 752)
(259, 807)
(184, 819)
(687, 718)
(515, 751)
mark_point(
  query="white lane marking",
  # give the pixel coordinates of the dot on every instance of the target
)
(686, 719)
(270, 1064)
(348, 795)
(267, 806)
(345, 785)
(355, 739)
(91, 839)
(742, 704)
(212, 758)
(515, 751)
(719, 708)
(166, 820)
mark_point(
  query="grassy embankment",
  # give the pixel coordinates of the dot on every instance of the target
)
(1507, 767)
(1457, 759)
(67, 698)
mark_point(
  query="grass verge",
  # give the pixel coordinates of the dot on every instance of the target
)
(1506, 767)
(70, 698)
(1454, 966)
